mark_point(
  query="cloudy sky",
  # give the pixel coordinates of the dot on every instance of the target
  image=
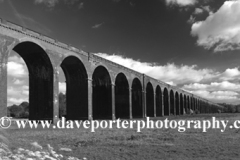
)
(192, 44)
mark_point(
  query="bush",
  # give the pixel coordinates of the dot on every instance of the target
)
(22, 110)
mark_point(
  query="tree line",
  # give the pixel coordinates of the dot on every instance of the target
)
(22, 110)
(230, 108)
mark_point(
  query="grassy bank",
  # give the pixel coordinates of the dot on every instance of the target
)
(128, 144)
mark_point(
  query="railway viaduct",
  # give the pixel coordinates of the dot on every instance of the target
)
(95, 87)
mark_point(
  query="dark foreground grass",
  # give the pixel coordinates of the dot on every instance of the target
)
(114, 144)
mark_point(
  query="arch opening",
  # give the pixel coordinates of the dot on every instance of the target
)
(172, 107)
(40, 80)
(197, 106)
(158, 101)
(193, 104)
(122, 96)
(177, 103)
(76, 88)
(200, 106)
(150, 100)
(102, 94)
(181, 104)
(137, 109)
(166, 102)
(185, 104)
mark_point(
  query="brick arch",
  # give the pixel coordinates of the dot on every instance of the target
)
(158, 99)
(177, 103)
(115, 76)
(150, 99)
(76, 88)
(102, 93)
(108, 70)
(135, 77)
(121, 96)
(172, 99)
(137, 107)
(166, 102)
(181, 97)
(41, 72)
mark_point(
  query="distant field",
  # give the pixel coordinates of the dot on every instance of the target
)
(116, 144)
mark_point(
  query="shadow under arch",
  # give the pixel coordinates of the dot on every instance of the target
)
(197, 105)
(172, 106)
(40, 80)
(188, 104)
(158, 101)
(185, 103)
(137, 109)
(166, 102)
(194, 104)
(181, 104)
(102, 94)
(150, 100)
(76, 88)
(191, 103)
(122, 96)
(177, 107)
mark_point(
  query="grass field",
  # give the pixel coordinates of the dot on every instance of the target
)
(114, 144)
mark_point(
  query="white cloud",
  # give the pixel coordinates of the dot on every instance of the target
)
(18, 82)
(81, 5)
(230, 74)
(16, 69)
(70, 2)
(170, 73)
(97, 25)
(53, 3)
(17, 95)
(16, 59)
(49, 3)
(195, 86)
(198, 11)
(218, 96)
(17, 91)
(220, 92)
(25, 92)
(25, 87)
(171, 83)
(62, 87)
(181, 2)
(214, 86)
(16, 101)
(221, 30)
(207, 8)
(191, 19)
(11, 91)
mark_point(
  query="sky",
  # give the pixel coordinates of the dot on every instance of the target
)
(191, 44)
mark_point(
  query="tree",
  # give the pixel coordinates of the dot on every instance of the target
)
(16, 111)
(229, 108)
(22, 110)
(25, 113)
